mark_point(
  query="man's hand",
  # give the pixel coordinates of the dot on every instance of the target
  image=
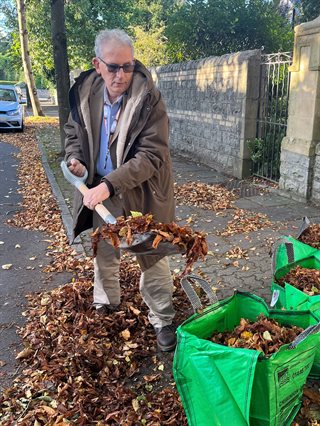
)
(96, 195)
(76, 167)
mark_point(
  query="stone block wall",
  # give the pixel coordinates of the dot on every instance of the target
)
(212, 106)
(296, 170)
(316, 178)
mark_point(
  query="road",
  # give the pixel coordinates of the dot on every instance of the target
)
(25, 251)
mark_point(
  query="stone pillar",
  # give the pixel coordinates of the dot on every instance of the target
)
(298, 150)
(242, 167)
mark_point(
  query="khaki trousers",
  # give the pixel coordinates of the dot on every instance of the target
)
(156, 285)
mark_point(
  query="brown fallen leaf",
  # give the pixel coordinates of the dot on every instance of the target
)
(312, 395)
(126, 334)
(25, 353)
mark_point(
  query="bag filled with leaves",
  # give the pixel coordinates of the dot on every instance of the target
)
(296, 283)
(309, 233)
(296, 277)
(234, 363)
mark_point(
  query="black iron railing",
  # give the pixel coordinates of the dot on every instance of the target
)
(272, 115)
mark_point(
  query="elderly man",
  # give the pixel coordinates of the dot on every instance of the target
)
(118, 131)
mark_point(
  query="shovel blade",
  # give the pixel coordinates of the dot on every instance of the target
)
(142, 244)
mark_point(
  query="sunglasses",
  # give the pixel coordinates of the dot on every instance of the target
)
(114, 68)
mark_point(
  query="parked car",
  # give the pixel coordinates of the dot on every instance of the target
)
(11, 108)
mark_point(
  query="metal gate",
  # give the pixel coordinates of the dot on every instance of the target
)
(272, 114)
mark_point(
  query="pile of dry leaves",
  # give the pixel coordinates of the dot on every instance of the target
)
(311, 236)
(265, 335)
(191, 243)
(245, 221)
(84, 368)
(304, 279)
(209, 197)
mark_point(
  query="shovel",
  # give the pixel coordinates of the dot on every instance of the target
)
(142, 243)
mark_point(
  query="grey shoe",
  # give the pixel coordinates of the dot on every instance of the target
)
(106, 309)
(166, 337)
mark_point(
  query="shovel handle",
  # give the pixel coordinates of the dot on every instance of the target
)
(78, 182)
(102, 211)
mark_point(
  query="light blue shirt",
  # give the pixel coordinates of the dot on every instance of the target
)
(108, 126)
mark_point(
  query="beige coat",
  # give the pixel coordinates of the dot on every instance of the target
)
(139, 150)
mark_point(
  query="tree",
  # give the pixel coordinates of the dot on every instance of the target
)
(310, 9)
(59, 42)
(149, 20)
(299, 10)
(145, 20)
(83, 20)
(10, 52)
(164, 30)
(214, 27)
(27, 67)
(149, 46)
(8, 68)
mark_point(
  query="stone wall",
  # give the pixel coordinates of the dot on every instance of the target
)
(212, 106)
(316, 177)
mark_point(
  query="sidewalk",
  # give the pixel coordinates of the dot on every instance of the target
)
(251, 270)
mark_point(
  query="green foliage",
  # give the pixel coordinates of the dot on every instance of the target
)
(10, 55)
(256, 148)
(310, 9)
(163, 30)
(10, 82)
(10, 67)
(265, 154)
(84, 19)
(149, 46)
(39, 32)
(149, 14)
(215, 27)
(148, 27)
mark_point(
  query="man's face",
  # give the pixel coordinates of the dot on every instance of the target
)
(116, 82)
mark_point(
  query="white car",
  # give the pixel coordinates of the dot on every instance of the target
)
(11, 108)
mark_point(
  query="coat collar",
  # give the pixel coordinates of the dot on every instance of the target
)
(96, 113)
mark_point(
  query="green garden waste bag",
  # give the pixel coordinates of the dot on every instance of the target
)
(289, 254)
(222, 386)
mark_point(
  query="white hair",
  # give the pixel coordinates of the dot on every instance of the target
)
(106, 36)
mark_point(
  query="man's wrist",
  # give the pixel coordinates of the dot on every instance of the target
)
(109, 186)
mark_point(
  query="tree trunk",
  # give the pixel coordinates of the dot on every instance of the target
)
(27, 67)
(61, 64)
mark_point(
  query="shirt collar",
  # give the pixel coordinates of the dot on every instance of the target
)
(106, 99)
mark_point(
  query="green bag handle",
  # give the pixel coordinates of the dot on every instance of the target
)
(303, 226)
(290, 256)
(187, 283)
(313, 329)
(289, 249)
